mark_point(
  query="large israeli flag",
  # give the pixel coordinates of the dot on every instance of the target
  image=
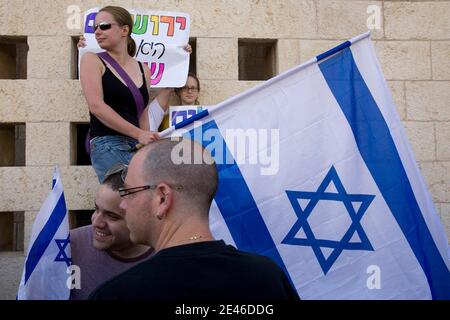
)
(331, 191)
(45, 274)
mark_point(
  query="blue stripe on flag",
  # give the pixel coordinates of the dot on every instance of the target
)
(45, 236)
(195, 117)
(330, 52)
(236, 203)
(378, 150)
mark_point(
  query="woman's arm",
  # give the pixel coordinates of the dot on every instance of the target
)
(91, 70)
(163, 99)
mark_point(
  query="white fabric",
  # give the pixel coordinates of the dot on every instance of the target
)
(315, 138)
(155, 115)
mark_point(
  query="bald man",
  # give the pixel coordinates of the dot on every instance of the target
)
(166, 207)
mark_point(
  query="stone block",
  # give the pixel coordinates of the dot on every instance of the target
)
(421, 135)
(48, 144)
(345, 19)
(398, 94)
(311, 48)
(440, 53)
(288, 54)
(48, 57)
(216, 91)
(437, 176)
(419, 20)
(217, 59)
(443, 140)
(404, 60)
(428, 100)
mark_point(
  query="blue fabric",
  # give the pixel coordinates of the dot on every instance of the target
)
(380, 154)
(107, 151)
(45, 237)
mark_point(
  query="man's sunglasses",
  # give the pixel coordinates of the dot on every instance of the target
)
(103, 26)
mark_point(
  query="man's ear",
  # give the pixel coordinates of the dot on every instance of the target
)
(164, 198)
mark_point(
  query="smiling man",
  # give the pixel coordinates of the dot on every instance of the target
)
(104, 249)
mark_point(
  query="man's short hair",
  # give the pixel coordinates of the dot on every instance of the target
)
(199, 180)
(114, 178)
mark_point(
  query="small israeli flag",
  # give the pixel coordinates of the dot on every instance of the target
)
(45, 274)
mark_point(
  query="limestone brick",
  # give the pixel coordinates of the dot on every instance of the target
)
(216, 91)
(56, 100)
(311, 48)
(12, 265)
(47, 57)
(437, 176)
(13, 100)
(417, 20)
(288, 54)
(398, 94)
(48, 143)
(345, 19)
(428, 100)
(24, 188)
(244, 19)
(404, 60)
(422, 138)
(443, 140)
(440, 54)
(217, 59)
(445, 217)
(80, 186)
(30, 217)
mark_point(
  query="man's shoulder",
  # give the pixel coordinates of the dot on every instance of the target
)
(250, 257)
(80, 235)
(128, 284)
(80, 231)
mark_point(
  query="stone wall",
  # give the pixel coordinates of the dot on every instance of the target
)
(412, 43)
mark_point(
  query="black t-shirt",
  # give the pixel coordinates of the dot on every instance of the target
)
(117, 95)
(200, 271)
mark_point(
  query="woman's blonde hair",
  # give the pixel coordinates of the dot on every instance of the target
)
(123, 18)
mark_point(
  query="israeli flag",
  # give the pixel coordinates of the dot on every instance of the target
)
(315, 172)
(45, 274)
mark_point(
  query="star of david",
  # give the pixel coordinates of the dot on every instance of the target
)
(355, 216)
(62, 256)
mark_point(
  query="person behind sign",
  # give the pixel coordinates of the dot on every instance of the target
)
(114, 119)
(167, 207)
(186, 96)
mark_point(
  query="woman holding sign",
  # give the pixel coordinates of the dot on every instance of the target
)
(116, 87)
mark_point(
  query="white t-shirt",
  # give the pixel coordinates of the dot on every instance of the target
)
(155, 115)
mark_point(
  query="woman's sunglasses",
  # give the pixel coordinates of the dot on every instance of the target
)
(103, 26)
